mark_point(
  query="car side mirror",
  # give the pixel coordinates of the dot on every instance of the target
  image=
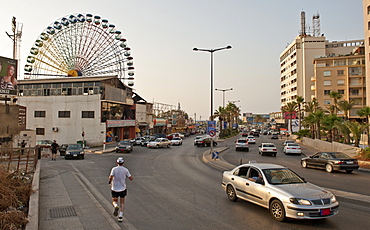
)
(259, 181)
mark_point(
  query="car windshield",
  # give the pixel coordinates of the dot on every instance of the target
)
(268, 145)
(124, 143)
(176, 138)
(282, 176)
(340, 155)
(74, 146)
(292, 144)
(242, 141)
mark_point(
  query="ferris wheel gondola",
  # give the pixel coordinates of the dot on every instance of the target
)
(80, 45)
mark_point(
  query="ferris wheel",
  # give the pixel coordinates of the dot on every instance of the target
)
(80, 45)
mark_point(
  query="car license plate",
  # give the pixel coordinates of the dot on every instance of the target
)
(349, 162)
(325, 212)
(75, 155)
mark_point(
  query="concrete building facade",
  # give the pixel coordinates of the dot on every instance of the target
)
(72, 109)
(366, 13)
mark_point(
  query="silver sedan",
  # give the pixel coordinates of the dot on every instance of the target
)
(279, 189)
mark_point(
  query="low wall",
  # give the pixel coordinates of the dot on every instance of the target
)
(330, 146)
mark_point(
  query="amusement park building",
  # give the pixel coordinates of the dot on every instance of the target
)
(71, 109)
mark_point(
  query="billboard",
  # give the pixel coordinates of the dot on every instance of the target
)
(8, 76)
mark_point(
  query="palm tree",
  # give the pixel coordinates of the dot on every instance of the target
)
(290, 108)
(345, 106)
(365, 112)
(311, 106)
(318, 116)
(357, 130)
(300, 102)
(221, 114)
(344, 131)
(336, 96)
(328, 124)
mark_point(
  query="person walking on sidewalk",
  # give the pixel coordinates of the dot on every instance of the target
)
(117, 179)
(54, 149)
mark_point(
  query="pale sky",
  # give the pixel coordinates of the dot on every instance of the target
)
(163, 33)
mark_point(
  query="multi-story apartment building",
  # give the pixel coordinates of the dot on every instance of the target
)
(366, 13)
(344, 74)
(297, 64)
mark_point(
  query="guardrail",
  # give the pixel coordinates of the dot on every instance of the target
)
(19, 159)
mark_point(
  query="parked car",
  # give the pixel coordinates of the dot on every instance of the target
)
(160, 135)
(242, 144)
(62, 149)
(251, 140)
(176, 141)
(330, 161)
(205, 141)
(279, 189)
(74, 151)
(292, 148)
(124, 146)
(186, 134)
(44, 143)
(159, 143)
(256, 133)
(267, 148)
(180, 135)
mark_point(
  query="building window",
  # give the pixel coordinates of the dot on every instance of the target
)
(88, 114)
(327, 102)
(64, 114)
(340, 82)
(40, 113)
(341, 91)
(327, 73)
(355, 71)
(340, 72)
(355, 92)
(327, 83)
(368, 10)
(326, 92)
(40, 131)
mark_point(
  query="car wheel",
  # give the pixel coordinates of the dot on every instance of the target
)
(168, 146)
(274, 154)
(157, 146)
(214, 143)
(83, 157)
(236, 149)
(349, 171)
(277, 210)
(230, 191)
(329, 168)
(304, 164)
(247, 150)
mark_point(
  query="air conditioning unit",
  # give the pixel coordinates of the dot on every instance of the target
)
(91, 92)
(55, 129)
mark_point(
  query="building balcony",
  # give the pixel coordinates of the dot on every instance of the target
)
(313, 87)
(313, 78)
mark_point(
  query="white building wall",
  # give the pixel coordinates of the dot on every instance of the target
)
(69, 129)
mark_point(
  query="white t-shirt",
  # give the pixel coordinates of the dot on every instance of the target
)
(119, 174)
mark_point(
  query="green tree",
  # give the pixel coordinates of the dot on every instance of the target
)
(221, 113)
(345, 106)
(290, 108)
(336, 96)
(300, 102)
(365, 112)
(328, 124)
(357, 130)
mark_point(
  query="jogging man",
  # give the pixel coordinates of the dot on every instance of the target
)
(117, 179)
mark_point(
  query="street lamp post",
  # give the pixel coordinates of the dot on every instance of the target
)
(223, 95)
(212, 51)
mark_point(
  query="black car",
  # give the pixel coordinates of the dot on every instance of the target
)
(256, 134)
(205, 142)
(62, 149)
(74, 151)
(330, 161)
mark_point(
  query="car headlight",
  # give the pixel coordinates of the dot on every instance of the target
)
(333, 199)
(300, 201)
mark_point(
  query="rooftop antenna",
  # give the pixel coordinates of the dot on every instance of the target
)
(316, 25)
(303, 24)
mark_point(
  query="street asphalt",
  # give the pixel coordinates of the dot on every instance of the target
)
(58, 196)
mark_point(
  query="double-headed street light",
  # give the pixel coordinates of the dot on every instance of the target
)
(223, 95)
(212, 51)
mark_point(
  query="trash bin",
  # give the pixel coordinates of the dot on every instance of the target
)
(82, 143)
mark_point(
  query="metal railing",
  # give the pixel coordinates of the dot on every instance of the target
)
(19, 159)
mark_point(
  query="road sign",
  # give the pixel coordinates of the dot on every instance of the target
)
(214, 155)
(212, 133)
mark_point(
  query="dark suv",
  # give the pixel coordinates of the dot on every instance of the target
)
(205, 142)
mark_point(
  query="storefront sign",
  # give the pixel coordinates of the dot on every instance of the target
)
(159, 122)
(120, 123)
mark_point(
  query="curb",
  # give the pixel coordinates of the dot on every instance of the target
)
(33, 213)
